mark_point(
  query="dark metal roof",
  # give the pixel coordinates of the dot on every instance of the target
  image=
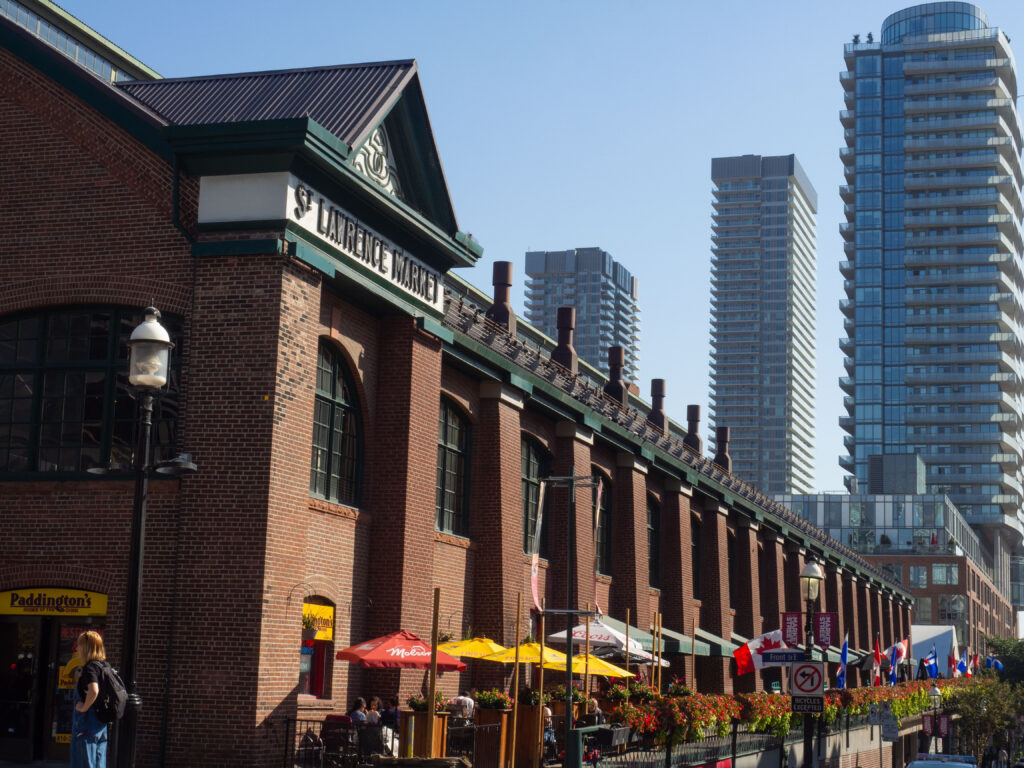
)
(347, 100)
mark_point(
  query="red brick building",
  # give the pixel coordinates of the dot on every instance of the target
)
(363, 431)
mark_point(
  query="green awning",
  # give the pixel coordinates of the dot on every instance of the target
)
(671, 641)
(718, 646)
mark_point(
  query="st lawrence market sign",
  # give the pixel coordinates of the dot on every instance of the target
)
(358, 242)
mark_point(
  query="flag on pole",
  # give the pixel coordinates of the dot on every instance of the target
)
(894, 660)
(991, 662)
(749, 656)
(841, 677)
(972, 665)
(876, 668)
(961, 666)
(951, 663)
(931, 664)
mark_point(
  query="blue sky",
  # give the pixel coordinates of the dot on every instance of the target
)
(566, 124)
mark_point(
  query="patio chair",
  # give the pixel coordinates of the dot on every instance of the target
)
(341, 746)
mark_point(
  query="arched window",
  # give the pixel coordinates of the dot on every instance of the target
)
(452, 453)
(65, 400)
(653, 542)
(603, 527)
(536, 466)
(337, 439)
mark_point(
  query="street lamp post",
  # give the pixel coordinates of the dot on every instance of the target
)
(810, 585)
(148, 366)
(936, 696)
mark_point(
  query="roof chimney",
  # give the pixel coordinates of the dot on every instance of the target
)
(722, 445)
(657, 417)
(616, 388)
(565, 353)
(692, 438)
(501, 310)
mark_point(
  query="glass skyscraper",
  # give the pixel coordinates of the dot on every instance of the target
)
(602, 291)
(933, 278)
(763, 274)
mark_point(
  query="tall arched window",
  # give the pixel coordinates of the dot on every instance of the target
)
(653, 542)
(452, 453)
(603, 527)
(536, 466)
(65, 401)
(337, 439)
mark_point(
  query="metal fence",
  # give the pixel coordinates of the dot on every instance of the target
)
(480, 744)
(334, 744)
(738, 742)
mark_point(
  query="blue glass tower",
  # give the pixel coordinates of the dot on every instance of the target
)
(933, 276)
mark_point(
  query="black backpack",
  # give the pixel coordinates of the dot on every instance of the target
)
(109, 705)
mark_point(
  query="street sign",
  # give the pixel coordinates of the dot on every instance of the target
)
(873, 714)
(807, 704)
(782, 657)
(808, 678)
(776, 686)
(791, 625)
(890, 730)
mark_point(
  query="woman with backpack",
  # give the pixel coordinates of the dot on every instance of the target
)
(88, 733)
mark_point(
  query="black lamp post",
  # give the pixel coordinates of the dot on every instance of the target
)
(936, 696)
(148, 366)
(810, 585)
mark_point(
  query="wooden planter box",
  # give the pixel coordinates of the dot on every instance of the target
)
(500, 717)
(527, 736)
(412, 734)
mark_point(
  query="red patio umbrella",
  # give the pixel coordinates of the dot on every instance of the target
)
(399, 650)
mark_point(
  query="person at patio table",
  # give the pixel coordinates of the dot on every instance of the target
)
(594, 709)
(358, 712)
(464, 704)
(373, 711)
(389, 725)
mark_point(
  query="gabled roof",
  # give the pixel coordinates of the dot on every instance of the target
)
(347, 100)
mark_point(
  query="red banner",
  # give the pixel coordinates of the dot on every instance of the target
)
(943, 726)
(927, 724)
(825, 629)
(791, 626)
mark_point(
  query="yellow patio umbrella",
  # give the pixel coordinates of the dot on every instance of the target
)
(529, 653)
(598, 666)
(473, 648)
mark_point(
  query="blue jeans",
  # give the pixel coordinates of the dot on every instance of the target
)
(88, 740)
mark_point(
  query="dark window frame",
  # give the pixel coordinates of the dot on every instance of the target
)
(535, 466)
(653, 542)
(70, 363)
(452, 504)
(335, 451)
(603, 549)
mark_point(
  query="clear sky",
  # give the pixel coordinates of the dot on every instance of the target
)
(572, 123)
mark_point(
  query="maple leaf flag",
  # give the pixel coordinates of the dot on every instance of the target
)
(749, 656)
(876, 668)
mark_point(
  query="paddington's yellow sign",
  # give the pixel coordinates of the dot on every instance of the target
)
(323, 619)
(52, 601)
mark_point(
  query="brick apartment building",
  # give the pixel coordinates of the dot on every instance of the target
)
(301, 245)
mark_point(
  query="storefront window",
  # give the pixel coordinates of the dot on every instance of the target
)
(317, 650)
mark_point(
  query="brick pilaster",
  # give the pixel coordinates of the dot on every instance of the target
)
(677, 603)
(716, 615)
(850, 614)
(630, 574)
(747, 620)
(572, 456)
(405, 485)
(772, 575)
(497, 512)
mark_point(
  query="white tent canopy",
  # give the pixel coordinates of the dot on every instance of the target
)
(602, 635)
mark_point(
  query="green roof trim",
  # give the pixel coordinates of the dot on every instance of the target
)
(468, 241)
(261, 247)
(432, 326)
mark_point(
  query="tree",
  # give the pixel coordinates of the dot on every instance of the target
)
(1010, 653)
(986, 709)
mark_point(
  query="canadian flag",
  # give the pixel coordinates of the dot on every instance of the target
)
(748, 657)
(901, 650)
(876, 668)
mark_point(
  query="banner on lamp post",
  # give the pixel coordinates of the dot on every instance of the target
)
(792, 626)
(825, 629)
(943, 726)
(927, 724)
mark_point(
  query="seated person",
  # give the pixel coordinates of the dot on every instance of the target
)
(596, 713)
(358, 711)
(550, 743)
(464, 705)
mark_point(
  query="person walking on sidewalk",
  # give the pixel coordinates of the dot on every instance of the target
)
(88, 734)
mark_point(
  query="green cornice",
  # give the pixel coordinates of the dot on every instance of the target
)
(98, 94)
(307, 149)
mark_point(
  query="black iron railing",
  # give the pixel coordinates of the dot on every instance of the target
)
(334, 744)
(480, 744)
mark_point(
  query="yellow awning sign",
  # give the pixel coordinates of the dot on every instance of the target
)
(52, 601)
(323, 619)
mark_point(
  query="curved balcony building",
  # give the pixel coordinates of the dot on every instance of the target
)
(933, 278)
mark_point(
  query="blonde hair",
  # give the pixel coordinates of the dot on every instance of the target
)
(90, 647)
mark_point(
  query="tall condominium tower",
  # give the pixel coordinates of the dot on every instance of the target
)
(604, 294)
(762, 318)
(933, 270)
